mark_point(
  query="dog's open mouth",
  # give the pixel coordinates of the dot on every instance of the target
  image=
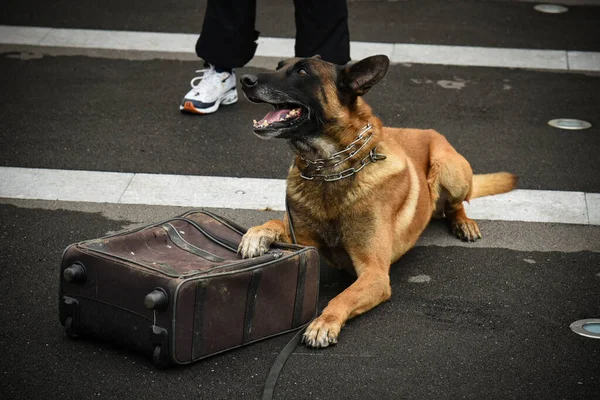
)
(282, 117)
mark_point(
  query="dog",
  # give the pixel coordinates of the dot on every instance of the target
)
(359, 192)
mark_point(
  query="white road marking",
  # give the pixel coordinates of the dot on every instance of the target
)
(205, 191)
(592, 201)
(260, 194)
(49, 184)
(419, 279)
(284, 47)
(532, 206)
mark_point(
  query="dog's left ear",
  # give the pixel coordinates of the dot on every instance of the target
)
(363, 75)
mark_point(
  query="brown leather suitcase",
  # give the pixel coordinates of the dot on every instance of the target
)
(178, 291)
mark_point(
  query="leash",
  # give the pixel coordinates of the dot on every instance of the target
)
(319, 166)
(289, 216)
(278, 364)
(289, 348)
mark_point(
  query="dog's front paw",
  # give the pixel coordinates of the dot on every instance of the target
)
(466, 229)
(256, 242)
(322, 332)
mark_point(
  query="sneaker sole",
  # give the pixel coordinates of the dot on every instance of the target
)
(226, 100)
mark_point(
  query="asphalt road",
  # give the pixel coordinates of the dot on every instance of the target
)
(127, 112)
(485, 320)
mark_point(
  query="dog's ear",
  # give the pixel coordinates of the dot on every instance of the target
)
(363, 75)
(280, 65)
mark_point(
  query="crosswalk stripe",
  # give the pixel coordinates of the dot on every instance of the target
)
(284, 47)
(261, 194)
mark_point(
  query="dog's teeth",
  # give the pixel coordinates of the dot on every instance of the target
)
(254, 122)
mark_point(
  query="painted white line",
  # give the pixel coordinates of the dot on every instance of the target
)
(259, 194)
(64, 185)
(274, 47)
(593, 205)
(121, 40)
(583, 61)
(531, 206)
(480, 56)
(206, 191)
(25, 35)
(284, 47)
(360, 50)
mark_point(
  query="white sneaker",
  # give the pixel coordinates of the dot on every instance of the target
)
(209, 91)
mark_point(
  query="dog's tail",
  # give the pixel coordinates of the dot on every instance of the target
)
(495, 183)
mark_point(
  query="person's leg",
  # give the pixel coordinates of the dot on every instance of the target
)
(228, 38)
(227, 41)
(322, 28)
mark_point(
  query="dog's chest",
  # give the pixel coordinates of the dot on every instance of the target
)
(328, 233)
(326, 212)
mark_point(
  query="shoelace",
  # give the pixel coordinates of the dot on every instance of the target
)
(205, 82)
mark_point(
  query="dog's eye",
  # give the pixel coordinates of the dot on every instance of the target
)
(302, 72)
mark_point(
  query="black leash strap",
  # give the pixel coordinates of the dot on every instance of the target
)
(289, 348)
(277, 366)
(289, 216)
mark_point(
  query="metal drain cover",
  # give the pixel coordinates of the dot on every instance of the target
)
(569, 123)
(551, 8)
(587, 327)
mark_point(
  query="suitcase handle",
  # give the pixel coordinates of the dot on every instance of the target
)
(190, 248)
(219, 240)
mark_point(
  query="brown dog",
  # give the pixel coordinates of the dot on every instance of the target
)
(357, 191)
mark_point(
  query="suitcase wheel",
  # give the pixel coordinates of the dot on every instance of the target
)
(75, 273)
(69, 330)
(157, 300)
(158, 358)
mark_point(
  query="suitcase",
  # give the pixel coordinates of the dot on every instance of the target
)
(178, 291)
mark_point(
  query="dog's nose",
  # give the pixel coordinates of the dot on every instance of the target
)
(249, 80)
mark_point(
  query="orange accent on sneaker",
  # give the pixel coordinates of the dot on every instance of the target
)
(189, 106)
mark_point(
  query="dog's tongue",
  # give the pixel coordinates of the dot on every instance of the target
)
(277, 116)
(274, 116)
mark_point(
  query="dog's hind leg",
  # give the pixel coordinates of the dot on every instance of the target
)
(450, 181)
(372, 287)
(461, 226)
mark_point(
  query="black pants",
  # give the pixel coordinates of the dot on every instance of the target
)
(228, 38)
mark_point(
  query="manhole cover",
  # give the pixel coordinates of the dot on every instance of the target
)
(551, 8)
(569, 123)
(587, 327)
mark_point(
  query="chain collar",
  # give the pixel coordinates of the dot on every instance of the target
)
(338, 158)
